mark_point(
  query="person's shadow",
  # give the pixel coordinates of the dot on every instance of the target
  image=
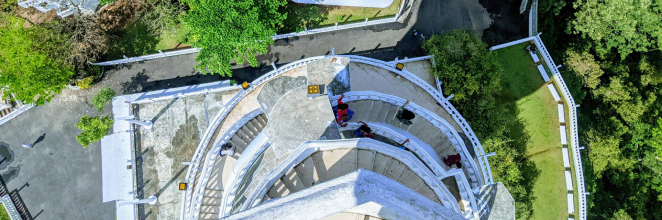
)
(40, 139)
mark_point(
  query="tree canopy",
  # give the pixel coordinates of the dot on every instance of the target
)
(231, 30)
(33, 64)
(612, 57)
(625, 25)
(94, 128)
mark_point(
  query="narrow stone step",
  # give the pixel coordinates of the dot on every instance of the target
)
(381, 163)
(366, 159)
(248, 132)
(292, 181)
(209, 216)
(365, 110)
(257, 125)
(278, 190)
(213, 193)
(254, 130)
(394, 169)
(264, 118)
(238, 141)
(259, 119)
(211, 201)
(239, 148)
(390, 116)
(357, 107)
(383, 111)
(318, 161)
(247, 139)
(307, 172)
(210, 209)
(374, 113)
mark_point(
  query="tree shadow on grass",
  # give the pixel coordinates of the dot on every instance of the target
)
(134, 40)
(519, 141)
(300, 16)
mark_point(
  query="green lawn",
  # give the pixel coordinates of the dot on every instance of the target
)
(136, 40)
(527, 94)
(317, 16)
(3, 213)
(343, 14)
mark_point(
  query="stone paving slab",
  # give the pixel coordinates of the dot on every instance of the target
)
(178, 127)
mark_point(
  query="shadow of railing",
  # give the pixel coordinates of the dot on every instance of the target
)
(17, 200)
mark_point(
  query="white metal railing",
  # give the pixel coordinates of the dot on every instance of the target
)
(433, 118)
(200, 151)
(463, 184)
(346, 26)
(148, 57)
(390, 133)
(190, 177)
(208, 166)
(275, 37)
(13, 114)
(533, 18)
(10, 208)
(574, 134)
(308, 148)
(438, 96)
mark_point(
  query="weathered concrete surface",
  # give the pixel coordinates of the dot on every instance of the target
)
(330, 71)
(248, 104)
(422, 69)
(274, 89)
(499, 202)
(370, 78)
(295, 120)
(178, 128)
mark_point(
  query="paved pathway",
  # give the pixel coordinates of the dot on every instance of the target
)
(59, 179)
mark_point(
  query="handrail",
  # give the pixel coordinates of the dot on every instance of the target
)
(308, 148)
(274, 73)
(10, 208)
(426, 158)
(389, 133)
(434, 119)
(574, 134)
(478, 148)
(199, 152)
(14, 114)
(211, 158)
(189, 208)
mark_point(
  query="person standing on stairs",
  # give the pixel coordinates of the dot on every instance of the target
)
(226, 149)
(363, 132)
(453, 160)
(342, 112)
(405, 116)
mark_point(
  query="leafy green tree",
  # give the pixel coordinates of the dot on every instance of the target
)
(625, 25)
(463, 63)
(585, 66)
(100, 99)
(94, 128)
(231, 30)
(33, 66)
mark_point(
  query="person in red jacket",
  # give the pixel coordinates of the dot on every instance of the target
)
(453, 160)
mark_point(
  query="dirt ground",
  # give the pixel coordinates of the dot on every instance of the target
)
(35, 16)
(119, 14)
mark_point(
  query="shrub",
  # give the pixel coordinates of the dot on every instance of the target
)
(105, 2)
(85, 83)
(99, 100)
(94, 128)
